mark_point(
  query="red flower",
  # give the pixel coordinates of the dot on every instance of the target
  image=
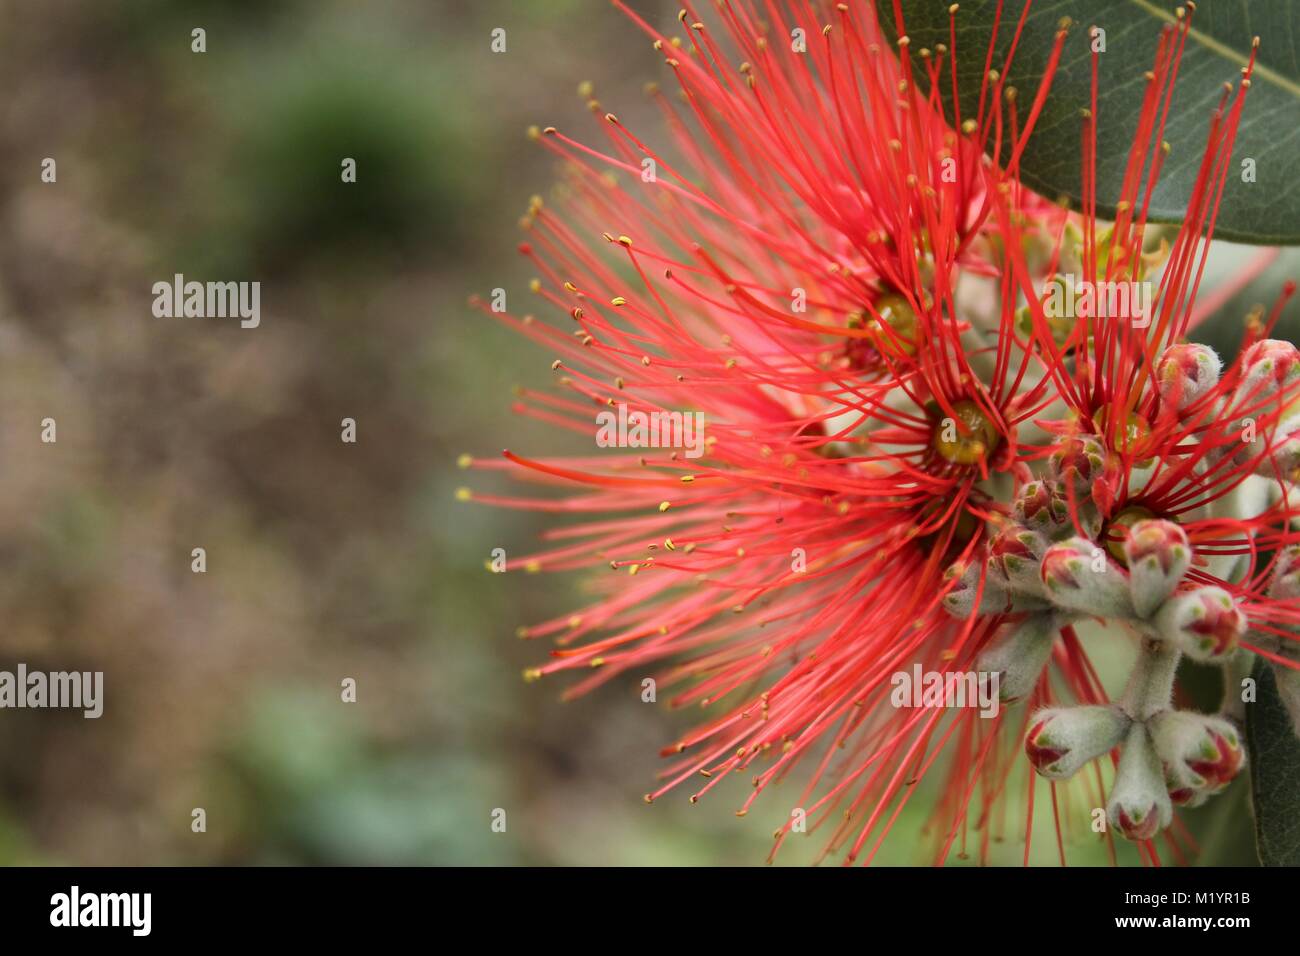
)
(831, 277)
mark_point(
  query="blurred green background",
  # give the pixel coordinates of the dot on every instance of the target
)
(325, 560)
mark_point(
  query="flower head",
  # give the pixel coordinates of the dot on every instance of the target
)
(912, 457)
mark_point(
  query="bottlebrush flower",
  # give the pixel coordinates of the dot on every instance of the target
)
(908, 460)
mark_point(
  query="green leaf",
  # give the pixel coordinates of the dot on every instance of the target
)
(1266, 211)
(1274, 773)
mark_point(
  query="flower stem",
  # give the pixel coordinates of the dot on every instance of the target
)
(1151, 684)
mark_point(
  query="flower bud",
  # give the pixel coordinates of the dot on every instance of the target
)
(1084, 467)
(1018, 656)
(1139, 805)
(1158, 555)
(1267, 366)
(1041, 507)
(994, 598)
(1014, 556)
(966, 589)
(1201, 755)
(1079, 461)
(1206, 623)
(1081, 577)
(1185, 373)
(1062, 739)
(1283, 459)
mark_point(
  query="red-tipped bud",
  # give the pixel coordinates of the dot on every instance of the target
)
(1041, 507)
(1080, 460)
(1081, 577)
(1185, 373)
(1139, 805)
(1014, 555)
(967, 583)
(1062, 739)
(1267, 366)
(1201, 755)
(1082, 465)
(1138, 823)
(1158, 555)
(1205, 623)
(1284, 459)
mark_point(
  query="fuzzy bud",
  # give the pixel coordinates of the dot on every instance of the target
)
(1041, 507)
(1081, 577)
(1019, 655)
(1089, 472)
(971, 581)
(1062, 739)
(969, 584)
(1201, 755)
(1158, 555)
(1139, 805)
(1186, 373)
(1079, 461)
(1014, 556)
(1284, 459)
(1206, 623)
(1267, 366)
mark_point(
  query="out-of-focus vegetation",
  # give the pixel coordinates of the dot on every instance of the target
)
(325, 560)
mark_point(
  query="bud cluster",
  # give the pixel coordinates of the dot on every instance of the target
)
(1066, 553)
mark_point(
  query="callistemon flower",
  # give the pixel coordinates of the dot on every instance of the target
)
(905, 459)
